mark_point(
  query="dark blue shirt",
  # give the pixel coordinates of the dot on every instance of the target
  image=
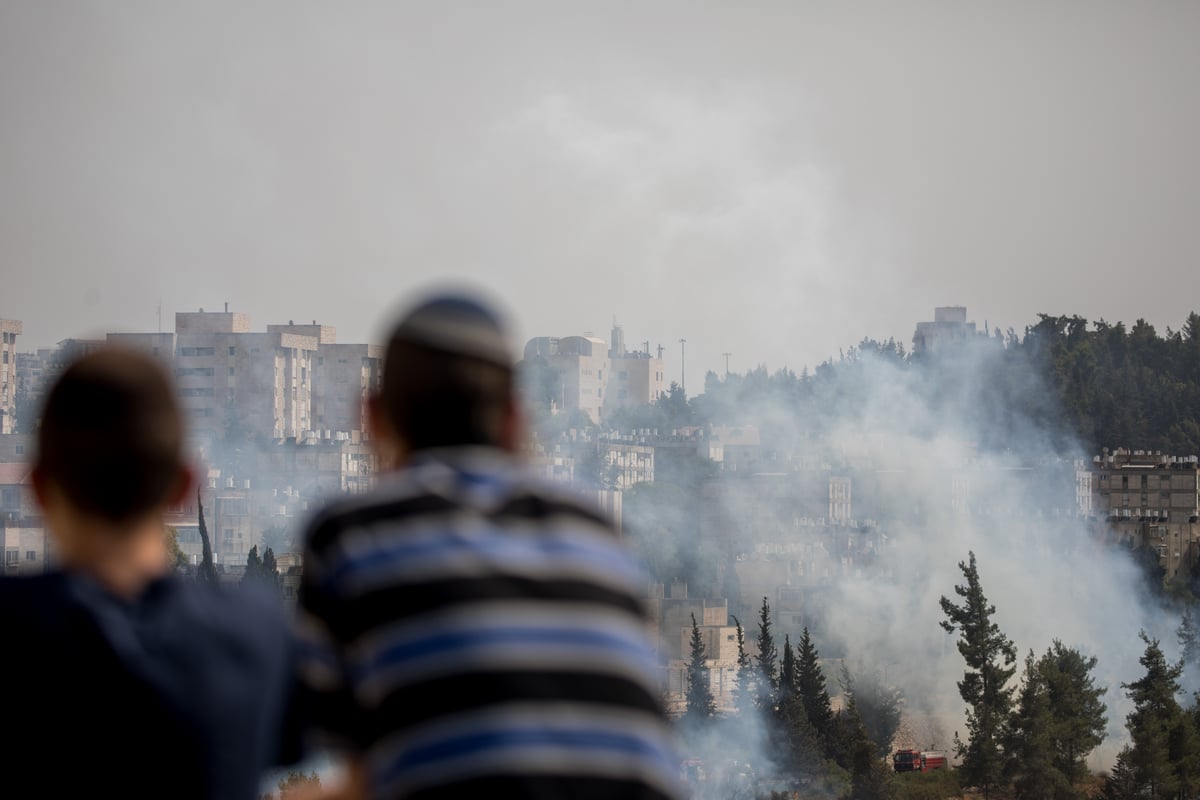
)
(183, 692)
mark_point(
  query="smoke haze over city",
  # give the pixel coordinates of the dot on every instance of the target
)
(772, 181)
(767, 184)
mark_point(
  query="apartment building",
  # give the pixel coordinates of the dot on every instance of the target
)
(235, 383)
(597, 377)
(345, 378)
(1152, 500)
(160, 346)
(9, 330)
(27, 548)
(671, 611)
(635, 376)
(626, 461)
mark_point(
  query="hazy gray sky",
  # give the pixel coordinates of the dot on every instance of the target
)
(770, 180)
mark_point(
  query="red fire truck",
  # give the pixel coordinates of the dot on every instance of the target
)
(919, 760)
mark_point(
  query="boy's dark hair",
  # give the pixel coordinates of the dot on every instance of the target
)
(111, 435)
(447, 375)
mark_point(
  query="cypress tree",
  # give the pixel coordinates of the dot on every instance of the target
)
(208, 571)
(810, 686)
(744, 691)
(766, 675)
(253, 566)
(787, 673)
(270, 571)
(701, 707)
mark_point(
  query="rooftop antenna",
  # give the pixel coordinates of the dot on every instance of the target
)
(727, 355)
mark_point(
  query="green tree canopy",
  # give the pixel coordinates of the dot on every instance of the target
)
(990, 657)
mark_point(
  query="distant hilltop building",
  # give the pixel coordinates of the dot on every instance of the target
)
(9, 328)
(949, 326)
(598, 377)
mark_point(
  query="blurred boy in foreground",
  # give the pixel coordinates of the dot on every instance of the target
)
(120, 678)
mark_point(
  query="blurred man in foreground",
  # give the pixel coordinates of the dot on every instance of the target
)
(470, 633)
(122, 679)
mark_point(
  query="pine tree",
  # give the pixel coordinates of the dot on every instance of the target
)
(1155, 715)
(1189, 640)
(810, 686)
(1030, 745)
(1122, 782)
(701, 707)
(1078, 718)
(878, 707)
(207, 572)
(765, 674)
(870, 778)
(990, 657)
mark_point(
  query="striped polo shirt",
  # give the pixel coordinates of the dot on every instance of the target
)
(470, 632)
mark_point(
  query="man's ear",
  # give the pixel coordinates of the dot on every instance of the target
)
(387, 444)
(184, 484)
(41, 487)
(512, 426)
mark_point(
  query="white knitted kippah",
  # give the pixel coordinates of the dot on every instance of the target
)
(456, 324)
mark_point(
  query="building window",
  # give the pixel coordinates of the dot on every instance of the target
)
(196, 351)
(11, 556)
(21, 452)
(232, 350)
(31, 555)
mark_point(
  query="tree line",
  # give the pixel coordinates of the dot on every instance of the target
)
(1098, 383)
(1027, 738)
(805, 745)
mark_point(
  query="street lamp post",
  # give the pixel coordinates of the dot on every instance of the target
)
(683, 366)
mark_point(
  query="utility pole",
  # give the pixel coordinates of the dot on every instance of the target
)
(727, 355)
(683, 366)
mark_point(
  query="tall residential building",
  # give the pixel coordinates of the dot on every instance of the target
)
(159, 346)
(9, 329)
(236, 383)
(1152, 500)
(581, 365)
(597, 379)
(345, 377)
(949, 326)
(636, 377)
